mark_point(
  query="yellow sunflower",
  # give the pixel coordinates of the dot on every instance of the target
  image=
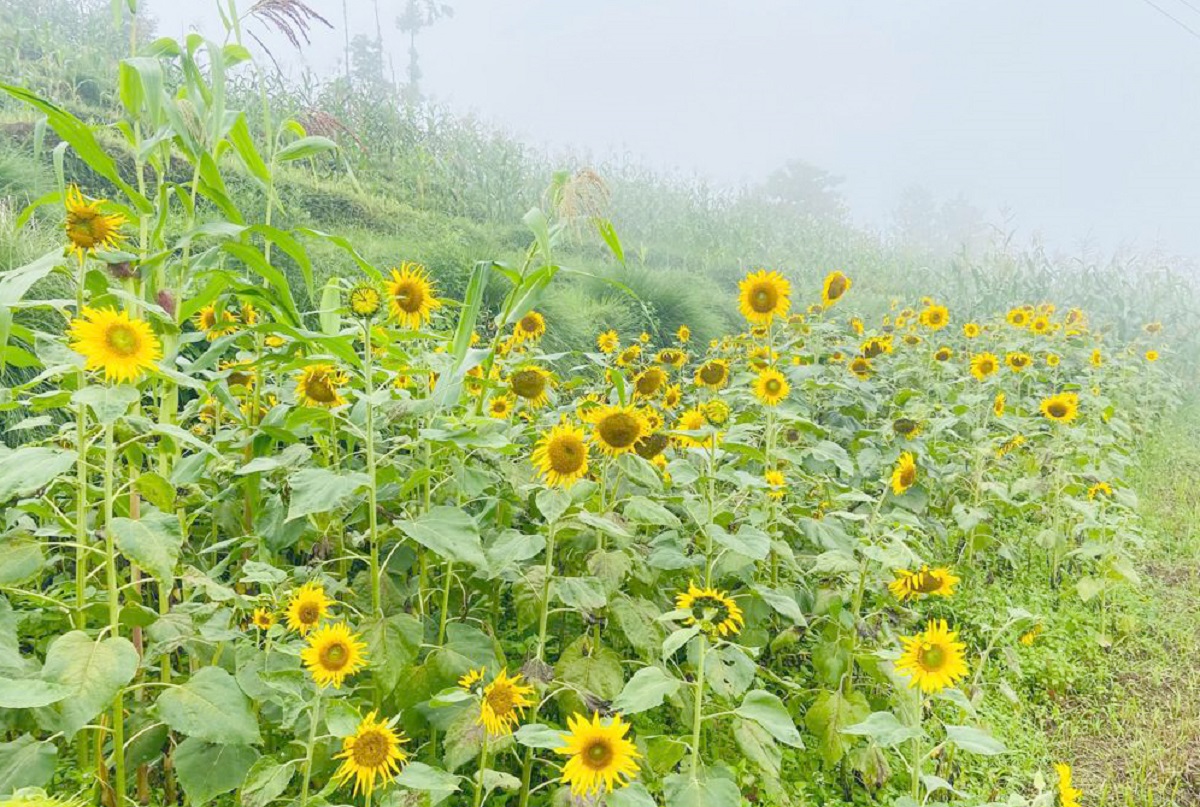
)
(1018, 361)
(1040, 325)
(501, 407)
(617, 429)
(714, 611)
(716, 412)
(531, 385)
(935, 317)
(307, 607)
(943, 354)
(1010, 445)
(771, 387)
(652, 446)
(502, 703)
(1052, 360)
(927, 582)
(835, 286)
(109, 340)
(1062, 408)
(1097, 358)
(89, 228)
(530, 327)
(904, 476)
(333, 653)
(907, 428)
(998, 405)
(263, 619)
(1100, 489)
(371, 753)
(561, 455)
(318, 385)
(684, 334)
(692, 420)
(762, 296)
(215, 324)
(1018, 318)
(876, 346)
(1068, 796)
(411, 295)
(861, 366)
(933, 659)
(970, 330)
(671, 396)
(776, 484)
(629, 355)
(983, 365)
(601, 757)
(1152, 355)
(671, 356)
(608, 342)
(856, 325)
(1030, 636)
(648, 382)
(365, 300)
(713, 374)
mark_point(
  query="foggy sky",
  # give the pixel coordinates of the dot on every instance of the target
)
(1081, 116)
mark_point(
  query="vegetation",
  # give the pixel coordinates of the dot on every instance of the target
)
(426, 474)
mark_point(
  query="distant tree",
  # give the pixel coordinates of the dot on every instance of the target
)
(418, 15)
(919, 220)
(809, 190)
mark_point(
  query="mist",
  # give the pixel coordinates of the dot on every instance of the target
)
(1072, 122)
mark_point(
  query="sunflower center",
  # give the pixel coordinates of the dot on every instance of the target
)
(370, 749)
(598, 755)
(710, 610)
(308, 613)
(1057, 410)
(335, 656)
(908, 475)
(927, 583)
(529, 323)
(409, 297)
(649, 382)
(123, 340)
(619, 430)
(319, 389)
(904, 426)
(773, 386)
(651, 446)
(500, 699)
(712, 373)
(763, 299)
(837, 287)
(528, 383)
(931, 657)
(82, 228)
(566, 455)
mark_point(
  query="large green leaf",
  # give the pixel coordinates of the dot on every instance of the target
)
(686, 790)
(151, 542)
(94, 672)
(392, 645)
(29, 693)
(829, 716)
(319, 490)
(26, 470)
(207, 770)
(16, 282)
(449, 532)
(768, 711)
(266, 781)
(210, 706)
(647, 689)
(26, 762)
(885, 729)
(977, 741)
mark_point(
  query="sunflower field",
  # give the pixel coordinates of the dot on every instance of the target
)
(390, 550)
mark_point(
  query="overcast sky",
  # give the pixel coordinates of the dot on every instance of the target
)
(1081, 116)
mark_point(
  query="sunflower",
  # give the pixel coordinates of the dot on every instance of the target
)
(943, 354)
(530, 384)
(263, 619)
(762, 296)
(215, 324)
(690, 421)
(934, 658)
(317, 385)
(561, 455)
(856, 325)
(530, 327)
(629, 355)
(835, 286)
(907, 428)
(617, 429)
(861, 366)
(927, 582)
(876, 346)
(713, 374)
(89, 229)
(371, 753)
(714, 611)
(904, 476)
(935, 317)
(1152, 327)
(1030, 636)
(411, 295)
(652, 446)
(1068, 796)
(608, 342)
(998, 405)
(501, 407)
(1100, 489)
(671, 396)
(307, 607)
(760, 357)
(684, 334)
(671, 356)
(983, 365)
(1062, 408)
(1017, 361)
(1040, 325)
(970, 330)
(601, 757)
(333, 653)
(771, 387)
(1052, 360)
(775, 484)
(1009, 445)
(912, 339)
(365, 300)
(109, 340)
(502, 703)
(1151, 355)
(1018, 318)
(716, 412)
(648, 382)
(1097, 358)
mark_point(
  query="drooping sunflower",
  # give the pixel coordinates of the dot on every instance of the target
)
(927, 582)
(648, 382)
(904, 476)
(530, 327)
(715, 612)
(652, 446)
(629, 355)
(970, 330)
(1068, 796)
(860, 366)
(601, 757)
(561, 455)
(1100, 489)
(716, 412)
(998, 405)
(943, 354)
(307, 607)
(771, 387)
(776, 484)
(671, 396)
(502, 703)
(935, 317)
(713, 374)
(263, 619)
(89, 228)
(1061, 408)
(531, 384)
(332, 654)
(1010, 445)
(763, 295)
(1018, 361)
(411, 297)
(834, 288)
(617, 429)
(912, 339)
(111, 341)
(692, 420)
(364, 300)
(983, 365)
(933, 659)
(684, 334)
(319, 385)
(876, 346)
(370, 754)
(907, 428)
(671, 357)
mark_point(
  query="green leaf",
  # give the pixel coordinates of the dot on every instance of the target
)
(581, 593)
(885, 729)
(977, 741)
(511, 550)
(392, 645)
(15, 283)
(647, 689)
(537, 735)
(647, 511)
(590, 671)
(319, 490)
(829, 715)
(687, 790)
(210, 706)
(304, 148)
(26, 762)
(266, 781)
(329, 314)
(748, 541)
(107, 403)
(152, 542)
(93, 671)
(449, 532)
(29, 693)
(207, 770)
(552, 503)
(769, 712)
(758, 746)
(27, 470)
(782, 602)
(426, 778)
(155, 489)
(21, 558)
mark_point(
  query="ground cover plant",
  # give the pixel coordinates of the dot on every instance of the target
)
(388, 545)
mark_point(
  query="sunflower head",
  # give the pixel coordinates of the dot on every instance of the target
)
(214, 323)
(776, 484)
(671, 396)
(530, 384)
(88, 227)
(629, 355)
(617, 429)
(307, 607)
(671, 357)
(648, 382)
(715, 612)
(1097, 358)
(500, 407)
(904, 476)
(984, 365)
(943, 354)
(601, 756)
(834, 288)
(1018, 318)
(364, 300)
(1040, 325)
(561, 455)
(1052, 360)
(109, 340)
(320, 385)
(716, 412)
(502, 702)
(608, 342)
(935, 317)
(332, 654)
(1068, 796)
(927, 582)
(907, 428)
(1061, 408)
(1151, 355)
(692, 420)
(263, 619)
(998, 405)
(933, 659)
(713, 374)
(771, 387)
(530, 327)
(370, 754)
(411, 295)
(860, 366)
(652, 446)
(763, 296)
(876, 346)
(1018, 361)
(970, 330)
(684, 334)
(1100, 489)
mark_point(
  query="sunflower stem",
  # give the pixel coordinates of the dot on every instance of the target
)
(372, 495)
(114, 611)
(698, 717)
(483, 751)
(314, 720)
(918, 750)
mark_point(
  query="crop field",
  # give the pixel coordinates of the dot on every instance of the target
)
(276, 533)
